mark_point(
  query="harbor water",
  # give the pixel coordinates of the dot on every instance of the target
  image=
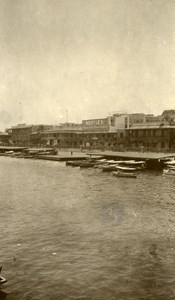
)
(70, 233)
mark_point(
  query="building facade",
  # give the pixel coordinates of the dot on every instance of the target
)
(137, 132)
(5, 139)
(66, 135)
(156, 133)
(27, 135)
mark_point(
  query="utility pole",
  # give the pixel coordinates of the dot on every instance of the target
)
(66, 115)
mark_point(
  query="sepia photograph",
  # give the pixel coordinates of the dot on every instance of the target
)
(87, 149)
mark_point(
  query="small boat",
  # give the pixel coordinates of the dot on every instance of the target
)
(29, 156)
(138, 165)
(109, 168)
(69, 163)
(169, 172)
(126, 169)
(171, 167)
(111, 162)
(100, 166)
(2, 280)
(87, 164)
(94, 158)
(170, 163)
(8, 153)
(76, 163)
(124, 174)
(100, 162)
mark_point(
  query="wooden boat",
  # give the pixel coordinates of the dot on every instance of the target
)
(109, 168)
(100, 162)
(87, 164)
(170, 163)
(2, 280)
(126, 169)
(169, 172)
(100, 166)
(8, 153)
(111, 162)
(171, 167)
(76, 163)
(138, 165)
(124, 174)
(69, 163)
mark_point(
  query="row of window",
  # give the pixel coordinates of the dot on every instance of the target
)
(149, 133)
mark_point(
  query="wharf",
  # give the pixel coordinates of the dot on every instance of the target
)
(153, 160)
(134, 155)
(3, 149)
(63, 157)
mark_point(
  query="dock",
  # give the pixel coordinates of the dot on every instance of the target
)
(153, 160)
(3, 149)
(133, 155)
(63, 157)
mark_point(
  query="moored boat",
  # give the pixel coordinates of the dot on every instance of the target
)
(87, 164)
(124, 174)
(109, 168)
(125, 169)
(169, 172)
(76, 163)
(100, 166)
(8, 153)
(138, 165)
(2, 280)
(170, 163)
(69, 163)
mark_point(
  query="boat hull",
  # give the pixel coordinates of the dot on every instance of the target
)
(124, 174)
(2, 280)
(169, 172)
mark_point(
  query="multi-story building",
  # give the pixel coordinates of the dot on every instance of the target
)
(66, 135)
(156, 133)
(109, 132)
(105, 133)
(27, 135)
(5, 139)
(121, 131)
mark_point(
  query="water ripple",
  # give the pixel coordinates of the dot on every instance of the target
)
(69, 233)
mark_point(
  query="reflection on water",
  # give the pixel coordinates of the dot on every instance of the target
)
(82, 234)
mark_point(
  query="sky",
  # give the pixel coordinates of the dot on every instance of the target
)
(70, 60)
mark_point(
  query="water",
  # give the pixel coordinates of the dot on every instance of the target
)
(69, 233)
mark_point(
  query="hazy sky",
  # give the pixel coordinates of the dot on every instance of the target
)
(90, 57)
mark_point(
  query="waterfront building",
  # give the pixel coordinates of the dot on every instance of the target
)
(104, 133)
(66, 135)
(109, 132)
(156, 133)
(27, 135)
(119, 131)
(5, 139)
